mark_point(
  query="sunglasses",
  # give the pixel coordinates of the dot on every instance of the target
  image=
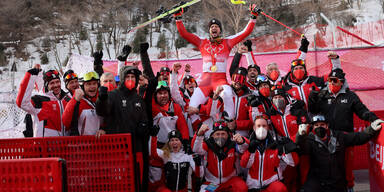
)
(70, 76)
(91, 76)
(333, 80)
(218, 124)
(53, 74)
(161, 84)
(238, 78)
(297, 62)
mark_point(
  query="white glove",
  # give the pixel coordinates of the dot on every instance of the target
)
(376, 125)
(303, 129)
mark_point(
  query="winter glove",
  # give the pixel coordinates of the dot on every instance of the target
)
(197, 160)
(154, 131)
(253, 146)
(178, 14)
(303, 128)
(187, 146)
(34, 71)
(103, 93)
(304, 45)
(144, 47)
(125, 52)
(248, 43)
(377, 124)
(313, 96)
(255, 11)
(290, 147)
(253, 101)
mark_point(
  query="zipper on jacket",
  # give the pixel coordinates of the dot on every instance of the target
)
(261, 156)
(285, 127)
(61, 121)
(178, 174)
(302, 95)
(220, 174)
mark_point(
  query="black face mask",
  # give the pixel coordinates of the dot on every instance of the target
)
(321, 132)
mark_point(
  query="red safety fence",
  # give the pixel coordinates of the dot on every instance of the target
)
(38, 174)
(96, 165)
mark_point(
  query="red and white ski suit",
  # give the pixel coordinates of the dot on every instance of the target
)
(221, 173)
(45, 109)
(214, 54)
(169, 123)
(264, 168)
(88, 121)
(243, 122)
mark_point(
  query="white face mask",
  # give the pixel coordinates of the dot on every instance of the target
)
(261, 133)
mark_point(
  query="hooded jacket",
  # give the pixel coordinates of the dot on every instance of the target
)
(125, 112)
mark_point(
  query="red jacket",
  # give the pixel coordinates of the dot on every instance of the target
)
(168, 122)
(88, 121)
(285, 123)
(300, 91)
(265, 168)
(46, 109)
(243, 122)
(210, 112)
(217, 51)
(217, 171)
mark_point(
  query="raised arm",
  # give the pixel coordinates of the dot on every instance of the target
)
(145, 62)
(24, 95)
(190, 37)
(235, 39)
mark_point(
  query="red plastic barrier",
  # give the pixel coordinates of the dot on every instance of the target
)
(376, 161)
(104, 164)
(38, 174)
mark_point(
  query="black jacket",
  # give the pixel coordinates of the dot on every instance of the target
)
(125, 112)
(339, 110)
(327, 170)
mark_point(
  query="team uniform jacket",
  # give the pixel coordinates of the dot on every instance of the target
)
(209, 113)
(339, 108)
(265, 167)
(286, 123)
(182, 98)
(327, 158)
(176, 167)
(169, 117)
(243, 122)
(46, 109)
(301, 91)
(263, 105)
(219, 168)
(88, 121)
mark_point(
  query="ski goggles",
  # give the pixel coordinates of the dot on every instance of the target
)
(218, 124)
(162, 84)
(262, 78)
(333, 80)
(52, 74)
(238, 78)
(297, 62)
(276, 87)
(189, 80)
(262, 116)
(318, 118)
(164, 73)
(91, 76)
(70, 76)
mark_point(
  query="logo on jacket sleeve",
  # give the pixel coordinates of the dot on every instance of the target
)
(124, 103)
(344, 101)
(138, 105)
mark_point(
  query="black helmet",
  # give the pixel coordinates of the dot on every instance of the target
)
(174, 134)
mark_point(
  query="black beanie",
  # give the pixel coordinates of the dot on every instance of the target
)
(215, 21)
